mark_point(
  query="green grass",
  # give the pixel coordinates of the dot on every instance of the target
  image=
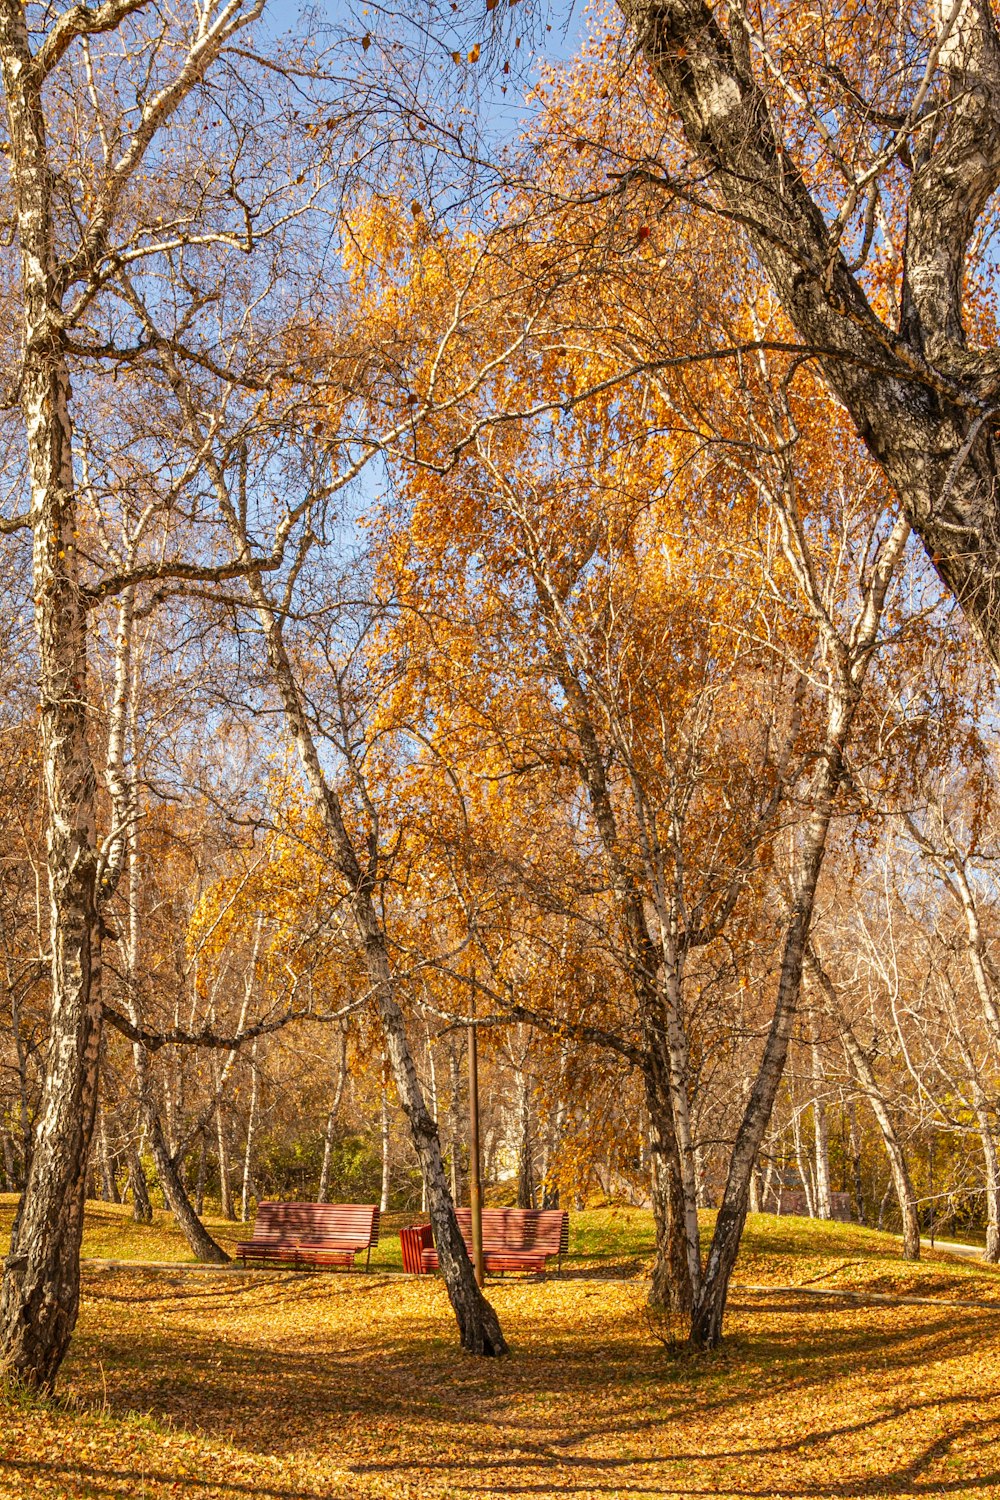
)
(607, 1242)
(615, 1239)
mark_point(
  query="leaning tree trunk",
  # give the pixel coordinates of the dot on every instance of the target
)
(851, 661)
(920, 397)
(902, 1184)
(479, 1326)
(706, 1321)
(41, 1281)
(201, 1243)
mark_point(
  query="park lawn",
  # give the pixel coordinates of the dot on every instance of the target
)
(313, 1386)
(611, 1242)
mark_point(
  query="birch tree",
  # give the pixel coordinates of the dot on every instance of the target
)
(861, 160)
(93, 101)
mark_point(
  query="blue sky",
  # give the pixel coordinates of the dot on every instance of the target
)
(565, 19)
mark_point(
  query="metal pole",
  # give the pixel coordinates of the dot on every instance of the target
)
(475, 1186)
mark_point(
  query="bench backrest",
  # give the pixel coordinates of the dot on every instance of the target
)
(340, 1223)
(540, 1231)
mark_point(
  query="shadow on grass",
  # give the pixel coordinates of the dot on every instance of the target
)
(396, 1392)
(94, 1482)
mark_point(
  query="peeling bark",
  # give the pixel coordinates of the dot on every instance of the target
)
(921, 399)
(41, 1283)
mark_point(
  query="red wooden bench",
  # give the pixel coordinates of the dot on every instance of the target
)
(310, 1234)
(514, 1239)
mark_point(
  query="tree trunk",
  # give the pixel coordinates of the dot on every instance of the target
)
(331, 1119)
(849, 664)
(668, 1026)
(857, 1181)
(9, 1169)
(900, 1175)
(802, 1164)
(251, 1135)
(385, 1133)
(202, 1245)
(222, 1148)
(864, 1073)
(927, 431)
(455, 1118)
(199, 1188)
(479, 1326)
(40, 1295)
(673, 1180)
(671, 1281)
(992, 1165)
(987, 1140)
(525, 1144)
(821, 1138)
(23, 1096)
(766, 1191)
(706, 1321)
(432, 1081)
(142, 1209)
(109, 1187)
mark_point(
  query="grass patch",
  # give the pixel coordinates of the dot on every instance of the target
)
(322, 1386)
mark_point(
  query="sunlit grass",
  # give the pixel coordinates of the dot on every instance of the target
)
(321, 1386)
(606, 1242)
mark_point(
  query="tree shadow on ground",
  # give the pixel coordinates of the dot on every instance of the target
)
(367, 1368)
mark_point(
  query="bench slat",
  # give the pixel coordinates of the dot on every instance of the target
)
(311, 1233)
(514, 1239)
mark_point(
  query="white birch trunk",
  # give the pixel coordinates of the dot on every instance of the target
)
(802, 1164)
(384, 1127)
(251, 1135)
(331, 1119)
(41, 1281)
(821, 1137)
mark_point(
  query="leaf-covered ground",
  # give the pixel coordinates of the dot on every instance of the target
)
(278, 1385)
